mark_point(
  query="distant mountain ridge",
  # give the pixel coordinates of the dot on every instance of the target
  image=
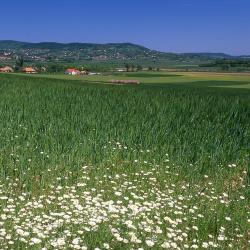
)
(72, 52)
(10, 44)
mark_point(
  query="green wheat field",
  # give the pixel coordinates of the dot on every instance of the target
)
(85, 164)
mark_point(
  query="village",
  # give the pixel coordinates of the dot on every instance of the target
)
(27, 70)
(34, 70)
(70, 72)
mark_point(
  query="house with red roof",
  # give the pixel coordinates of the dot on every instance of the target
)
(29, 70)
(7, 69)
(72, 72)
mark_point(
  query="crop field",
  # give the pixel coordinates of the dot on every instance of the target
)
(196, 79)
(89, 165)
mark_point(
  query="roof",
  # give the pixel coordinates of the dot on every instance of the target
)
(6, 68)
(72, 70)
(29, 69)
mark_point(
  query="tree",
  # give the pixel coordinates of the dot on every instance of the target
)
(127, 66)
(225, 67)
(54, 68)
(19, 61)
(133, 67)
(138, 67)
(150, 68)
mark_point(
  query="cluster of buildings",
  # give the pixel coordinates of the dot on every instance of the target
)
(27, 70)
(32, 70)
(70, 71)
(75, 72)
(6, 69)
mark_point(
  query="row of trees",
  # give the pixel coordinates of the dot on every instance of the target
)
(226, 64)
(132, 67)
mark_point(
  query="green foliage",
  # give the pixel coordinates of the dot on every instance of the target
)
(139, 67)
(127, 66)
(55, 68)
(165, 117)
(226, 64)
(19, 61)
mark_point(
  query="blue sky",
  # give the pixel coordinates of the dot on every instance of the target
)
(166, 25)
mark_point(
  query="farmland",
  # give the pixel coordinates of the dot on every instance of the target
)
(87, 164)
(174, 79)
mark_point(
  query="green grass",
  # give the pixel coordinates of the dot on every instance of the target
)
(147, 75)
(172, 145)
(232, 80)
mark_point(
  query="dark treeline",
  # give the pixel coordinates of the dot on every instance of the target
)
(138, 67)
(226, 64)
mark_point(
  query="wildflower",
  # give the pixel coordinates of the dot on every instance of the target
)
(75, 241)
(165, 245)
(221, 238)
(205, 245)
(149, 243)
(36, 240)
(195, 246)
(106, 245)
(173, 245)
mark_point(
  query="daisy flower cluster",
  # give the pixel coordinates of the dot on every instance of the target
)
(147, 207)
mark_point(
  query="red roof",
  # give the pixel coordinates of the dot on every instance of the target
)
(29, 69)
(72, 70)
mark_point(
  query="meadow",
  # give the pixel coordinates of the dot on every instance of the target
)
(85, 164)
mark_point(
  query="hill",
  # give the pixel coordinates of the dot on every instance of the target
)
(90, 52)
